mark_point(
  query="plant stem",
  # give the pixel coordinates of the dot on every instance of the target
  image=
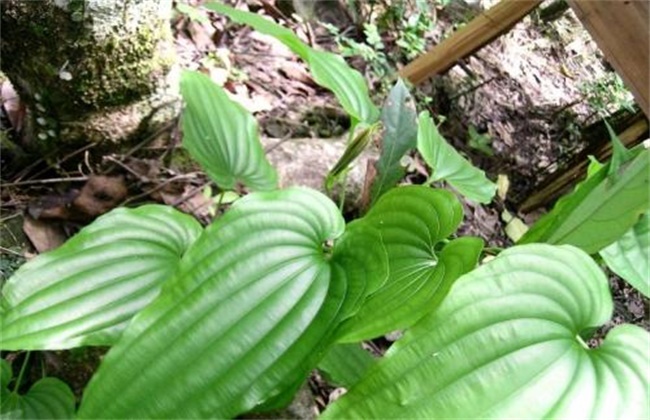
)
(22, 372)
(221, 194)
(492, 250)
(582, 342)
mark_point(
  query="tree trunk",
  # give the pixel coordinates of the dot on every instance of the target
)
(89, 70)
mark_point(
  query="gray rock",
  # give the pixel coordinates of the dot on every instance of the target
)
(306, 162)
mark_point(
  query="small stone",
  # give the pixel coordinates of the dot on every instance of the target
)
(65, 75)
(336, 394)
(394, 336)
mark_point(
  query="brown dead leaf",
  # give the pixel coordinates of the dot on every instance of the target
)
(99, 195)
(201, 34)
(13, 107)
(45, 236)
(52, 206)
(295, 71)
(371, 173)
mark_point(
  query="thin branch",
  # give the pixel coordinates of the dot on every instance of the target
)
(9, 251)
(44, 181)
(160, 186)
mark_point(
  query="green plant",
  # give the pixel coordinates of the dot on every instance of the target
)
(480, 142)
(49, 398)
(228, 319)
(410, 21)
(607, 94)
(372, 50)
(412, 36)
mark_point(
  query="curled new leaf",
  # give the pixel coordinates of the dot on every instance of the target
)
(87, 291)
(247, 316)
(399, 120)
(448, 165)
(222, 136)
(506, 343)
(413, 221)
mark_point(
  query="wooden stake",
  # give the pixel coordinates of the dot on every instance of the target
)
(621, 28)
(480, 31)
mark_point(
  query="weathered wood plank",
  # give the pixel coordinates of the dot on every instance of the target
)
(480, 31)
(621, 29)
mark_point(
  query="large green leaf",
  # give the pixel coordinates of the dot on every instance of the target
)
(349, 87)
(448, 165)
(600, 210)
(222, 136)
(248, 315)
(413, 222)
(49, 398)
(263, 25)
(506, 343)
(346, 364)
(87, 291)
(629, 257)
(329, 70)
(400, 135)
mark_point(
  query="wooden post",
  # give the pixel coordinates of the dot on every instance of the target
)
(480, 31)
(622, 31)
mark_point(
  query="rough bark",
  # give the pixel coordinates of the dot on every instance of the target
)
(89, 70)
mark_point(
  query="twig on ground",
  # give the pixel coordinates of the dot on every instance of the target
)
(63, 159)
(9, 251)
(127, 168)
(159, 187)
(44, 181)
(187, 196)
(473, 88)
(13, 216)
(277, 144)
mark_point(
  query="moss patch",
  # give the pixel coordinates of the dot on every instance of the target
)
(53, 56)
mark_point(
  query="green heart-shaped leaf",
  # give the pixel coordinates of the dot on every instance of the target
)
(222, 136)
(87, 291)
(348, 85)
(329, 70)
(49, 398)
(345, 364)
(412, 221)
(629, 257)
(448, 165)
(249, 313)
(506, 343)
(263, 25)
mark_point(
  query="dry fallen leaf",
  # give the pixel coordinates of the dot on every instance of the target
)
(43, 235)
(99, 195)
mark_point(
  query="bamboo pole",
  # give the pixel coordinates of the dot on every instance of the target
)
(480, 31)
(562, 181)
